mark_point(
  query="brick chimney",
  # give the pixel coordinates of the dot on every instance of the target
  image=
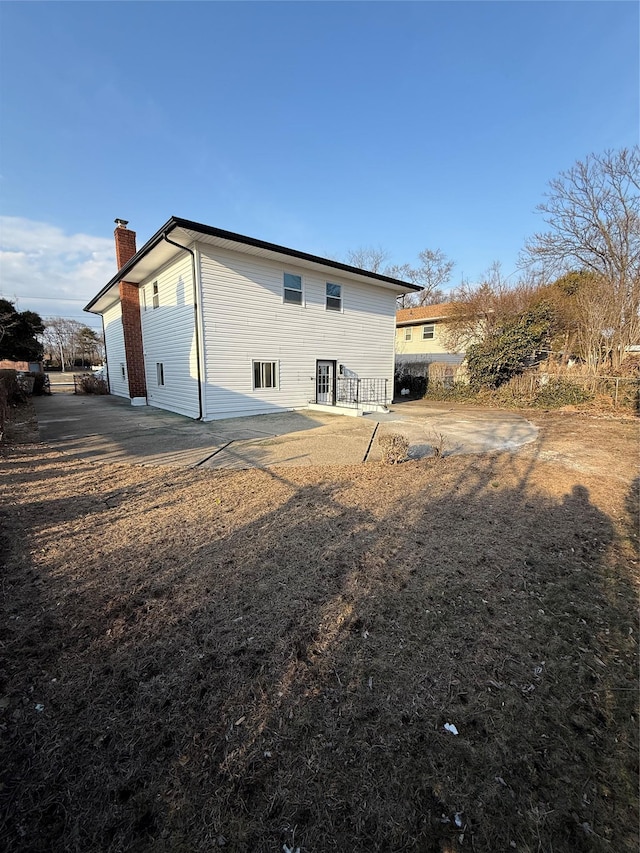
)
(125, 242)
(131, 323)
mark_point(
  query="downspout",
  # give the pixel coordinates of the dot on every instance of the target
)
(105, 360)
(195, 316)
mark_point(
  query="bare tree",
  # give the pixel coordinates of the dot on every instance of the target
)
(593, 214)
(477, 310)
(69, 341)
(583, 314)
(432, 273)
(369, 258)
(57, 334)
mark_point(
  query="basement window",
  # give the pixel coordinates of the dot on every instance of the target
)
(156, 295)
(160, 373)
(265, 374)
(428, 332)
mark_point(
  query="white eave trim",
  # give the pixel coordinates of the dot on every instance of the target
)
(156, 252)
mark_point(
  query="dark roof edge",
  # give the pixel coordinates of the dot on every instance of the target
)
(177, 222)
(283, 250)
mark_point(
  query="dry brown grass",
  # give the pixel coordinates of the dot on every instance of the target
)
(250, 659)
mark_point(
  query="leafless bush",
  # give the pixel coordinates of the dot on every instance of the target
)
(89, 384)
(448, 374)
(439, 444)
(394, 448)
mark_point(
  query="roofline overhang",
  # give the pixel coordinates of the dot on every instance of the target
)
(421, 321)
(176, 222)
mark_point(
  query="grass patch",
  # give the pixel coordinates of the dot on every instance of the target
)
(195, 660)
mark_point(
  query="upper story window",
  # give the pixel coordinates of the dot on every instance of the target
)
(408, 333)
(156, 295)
(334, 297)
(292, 288)
(428, 332)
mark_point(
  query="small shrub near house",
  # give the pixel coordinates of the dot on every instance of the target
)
(11, 394)
(10, 386)
(394, 448)
(39, 379)
(90, 384)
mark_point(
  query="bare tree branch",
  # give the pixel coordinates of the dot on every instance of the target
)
(369, 258)
(593, 214)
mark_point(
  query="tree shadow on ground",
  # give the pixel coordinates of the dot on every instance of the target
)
(283, 674)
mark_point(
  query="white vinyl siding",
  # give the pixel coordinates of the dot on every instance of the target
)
(114, 341)
(246, 321)
(169, 339)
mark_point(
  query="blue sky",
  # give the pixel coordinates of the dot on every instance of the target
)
(317, 125)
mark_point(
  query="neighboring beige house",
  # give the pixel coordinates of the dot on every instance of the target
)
(421, 339)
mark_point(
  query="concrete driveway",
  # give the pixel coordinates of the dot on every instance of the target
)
(109, 429)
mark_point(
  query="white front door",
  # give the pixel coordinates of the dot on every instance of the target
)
(325, 371)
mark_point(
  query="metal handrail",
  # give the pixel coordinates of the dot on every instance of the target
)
(357, 391)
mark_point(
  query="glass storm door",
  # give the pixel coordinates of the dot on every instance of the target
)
(324, 382)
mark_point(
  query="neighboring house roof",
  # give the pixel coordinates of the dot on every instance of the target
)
(157, 252)
(415, 316)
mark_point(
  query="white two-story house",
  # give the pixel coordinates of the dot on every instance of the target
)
(212, 324)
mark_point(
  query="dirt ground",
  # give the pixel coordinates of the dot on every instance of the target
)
(434, 656)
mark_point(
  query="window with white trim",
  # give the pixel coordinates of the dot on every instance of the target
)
(428, 332)
(334, 297)
(408, 333)
(292, 289)
(160, 372)
(265, 374)
(156, 295)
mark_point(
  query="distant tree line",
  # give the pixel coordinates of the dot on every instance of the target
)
(24, 336)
